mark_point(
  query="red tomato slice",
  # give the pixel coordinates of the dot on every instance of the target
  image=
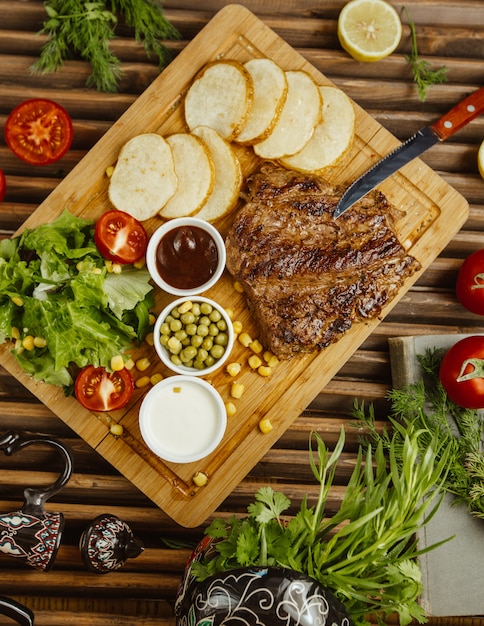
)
(470, 283)
(3, 185)
(39, 131)
(120, 237)
(99, 390)
(462, 372)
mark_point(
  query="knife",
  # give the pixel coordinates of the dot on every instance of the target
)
(442, 129)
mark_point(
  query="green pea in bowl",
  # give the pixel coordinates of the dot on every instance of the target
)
(193, 336)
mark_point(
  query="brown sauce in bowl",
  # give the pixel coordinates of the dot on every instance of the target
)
(186, 257)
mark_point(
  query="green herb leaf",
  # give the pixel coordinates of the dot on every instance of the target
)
(423, 73)
(85, 29)
(269, 505)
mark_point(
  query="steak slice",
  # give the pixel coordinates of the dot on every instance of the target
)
(307, 277)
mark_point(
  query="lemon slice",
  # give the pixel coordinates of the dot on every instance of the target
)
(480, 159)
(369, 30)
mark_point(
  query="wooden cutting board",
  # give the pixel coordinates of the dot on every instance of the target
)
(434, 212)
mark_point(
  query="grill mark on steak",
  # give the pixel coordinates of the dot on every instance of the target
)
(307, 277)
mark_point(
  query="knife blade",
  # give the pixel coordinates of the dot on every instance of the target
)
(422, 140)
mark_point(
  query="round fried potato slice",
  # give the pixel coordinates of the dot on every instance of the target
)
(220, 97)
(144, 178)
(228, 175)
(299, 117)
(195, 171)
(270, 89)
(332, 137)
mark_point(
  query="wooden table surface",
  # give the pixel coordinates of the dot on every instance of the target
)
(450, 34)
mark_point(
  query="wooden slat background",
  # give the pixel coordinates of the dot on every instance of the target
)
(142, 593)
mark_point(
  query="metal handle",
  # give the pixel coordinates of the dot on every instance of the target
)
(35, 498)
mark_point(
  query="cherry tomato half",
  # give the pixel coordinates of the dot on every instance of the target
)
(462, 372)
(120, 237)
(3, 185)
(470, 283)
(39, 131)
(99, 390)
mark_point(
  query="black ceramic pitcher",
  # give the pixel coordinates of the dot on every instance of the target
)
(32, 534)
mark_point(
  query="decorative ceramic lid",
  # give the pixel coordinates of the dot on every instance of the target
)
(107, 543)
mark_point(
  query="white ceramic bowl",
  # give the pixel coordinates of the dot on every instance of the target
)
(165, 355)
(191, 262)
(182, 419)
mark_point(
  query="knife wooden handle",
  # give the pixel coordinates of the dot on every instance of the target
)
(460, 115)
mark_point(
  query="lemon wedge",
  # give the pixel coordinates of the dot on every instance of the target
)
(369, 30)
(480, 159)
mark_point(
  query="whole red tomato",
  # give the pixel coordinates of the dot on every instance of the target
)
(470, 283)
(3, 185)
(120, 237)
(99, 390)
(39, 131)
(462, 372)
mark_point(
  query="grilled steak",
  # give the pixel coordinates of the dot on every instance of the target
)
(308, 277)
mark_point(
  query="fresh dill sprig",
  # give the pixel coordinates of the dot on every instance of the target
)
(425, 405)
(423, 74)
(85, 29)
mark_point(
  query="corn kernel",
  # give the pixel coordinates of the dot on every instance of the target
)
(230, 409)
(117, 268)
(200, 479)
(254, 361)
(230, 313)
(238, 287)
(151, 319)
(140, 263)
(264, 370)
(270, 359)
(28, 342)
(15, 333)
(40, 342)
(156, 378)
(185, 307)
(142, 364)
(109, 266)
(150, 339)
(18, 346)
(117, 363)
(116, 430)
(233, 369)
(245, 339)
(97, 271)
(265, 425)
(238, 326)
(109, 171)
(142, 381)
(17, 300)
(256, 346)
(129, 364)
(237, 390)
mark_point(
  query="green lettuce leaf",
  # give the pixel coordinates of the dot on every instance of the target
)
(54, 284)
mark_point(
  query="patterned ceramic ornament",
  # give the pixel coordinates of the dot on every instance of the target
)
(107, 543)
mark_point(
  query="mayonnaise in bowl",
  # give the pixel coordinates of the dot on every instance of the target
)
(182, 419)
